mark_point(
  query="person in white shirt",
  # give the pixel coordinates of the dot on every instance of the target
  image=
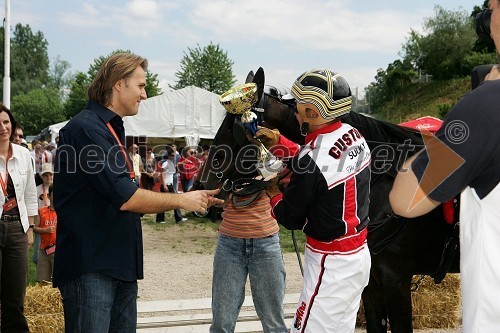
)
(17, 213)
(168, 171)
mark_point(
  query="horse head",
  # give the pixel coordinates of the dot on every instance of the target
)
(232, 156)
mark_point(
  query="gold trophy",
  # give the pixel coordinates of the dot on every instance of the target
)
(241, 100)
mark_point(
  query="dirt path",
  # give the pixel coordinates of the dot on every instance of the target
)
(178, 263)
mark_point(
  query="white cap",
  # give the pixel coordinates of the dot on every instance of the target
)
(47, 167)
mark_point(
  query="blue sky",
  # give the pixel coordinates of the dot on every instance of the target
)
(286, 38)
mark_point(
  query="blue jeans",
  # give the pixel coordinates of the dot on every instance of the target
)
(187, 184)
(260, 259)
(99, 303)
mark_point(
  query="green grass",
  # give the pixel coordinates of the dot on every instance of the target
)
(31, 268)
(434, 98)
(208, 244)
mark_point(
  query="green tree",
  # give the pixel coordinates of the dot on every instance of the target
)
(448, 38)
(29, 59)
(59, 74)
(77, 96)
(208, 68)
(390, 83)
(37, 109)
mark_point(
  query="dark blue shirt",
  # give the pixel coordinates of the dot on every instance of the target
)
(91, 183)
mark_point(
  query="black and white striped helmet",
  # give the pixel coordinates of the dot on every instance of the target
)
(326, 90)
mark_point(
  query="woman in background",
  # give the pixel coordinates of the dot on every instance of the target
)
(18, 195)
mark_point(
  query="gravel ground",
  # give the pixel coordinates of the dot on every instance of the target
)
(178, 265)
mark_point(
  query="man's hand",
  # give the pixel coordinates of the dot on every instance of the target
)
(200, 201)
(268, 137)
(272, 190)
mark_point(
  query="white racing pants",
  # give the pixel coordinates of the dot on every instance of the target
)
(333, 283)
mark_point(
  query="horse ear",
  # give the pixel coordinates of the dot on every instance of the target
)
(259, 79)
(250, 77)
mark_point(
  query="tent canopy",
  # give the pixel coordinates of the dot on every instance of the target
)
(190, 112)
(50, 133)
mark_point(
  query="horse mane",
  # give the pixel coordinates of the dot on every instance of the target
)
(382, 132)
(392, 138)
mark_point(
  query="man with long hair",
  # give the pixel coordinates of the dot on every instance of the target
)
(98, 203)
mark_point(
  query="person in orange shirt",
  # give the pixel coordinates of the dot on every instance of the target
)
(45, 225)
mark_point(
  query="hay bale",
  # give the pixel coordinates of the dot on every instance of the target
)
(43, 309)
(437, 305)
(434, 305)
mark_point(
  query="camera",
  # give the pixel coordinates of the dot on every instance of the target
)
(483, 20)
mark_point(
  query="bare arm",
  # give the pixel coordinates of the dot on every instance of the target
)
(29, 233)
(407, 197)
(38, 230)
(147, 202)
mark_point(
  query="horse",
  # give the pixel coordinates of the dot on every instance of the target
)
(400, 247)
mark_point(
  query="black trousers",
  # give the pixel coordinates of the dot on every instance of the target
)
(14, 274)
(160, 217)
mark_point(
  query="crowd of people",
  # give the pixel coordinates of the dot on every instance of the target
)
(168, 171)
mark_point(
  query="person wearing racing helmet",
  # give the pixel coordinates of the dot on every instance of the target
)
(327, 198)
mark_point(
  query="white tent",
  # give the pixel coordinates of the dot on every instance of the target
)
(50, 133)
(190, 112)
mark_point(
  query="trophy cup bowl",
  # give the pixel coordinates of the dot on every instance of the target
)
(239, 99)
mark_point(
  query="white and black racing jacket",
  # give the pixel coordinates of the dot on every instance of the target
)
(328, 193)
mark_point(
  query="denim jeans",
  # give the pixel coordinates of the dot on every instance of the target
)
(187, 184)
(14, 272)
(260, 259)
(99, 303)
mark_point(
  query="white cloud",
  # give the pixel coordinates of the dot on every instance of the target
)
(165, 71)
(140, 18)
(87, 16)
(310, 24)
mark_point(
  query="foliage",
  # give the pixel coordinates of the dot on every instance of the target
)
(77, 96)
(449, 39)
(391, 82)
(433, 98)
(59, 75)
(447, 49)
(37, 109)
(29, 59)
(208, 68)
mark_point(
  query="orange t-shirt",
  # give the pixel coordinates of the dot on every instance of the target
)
(252, 221)
(48, 218)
